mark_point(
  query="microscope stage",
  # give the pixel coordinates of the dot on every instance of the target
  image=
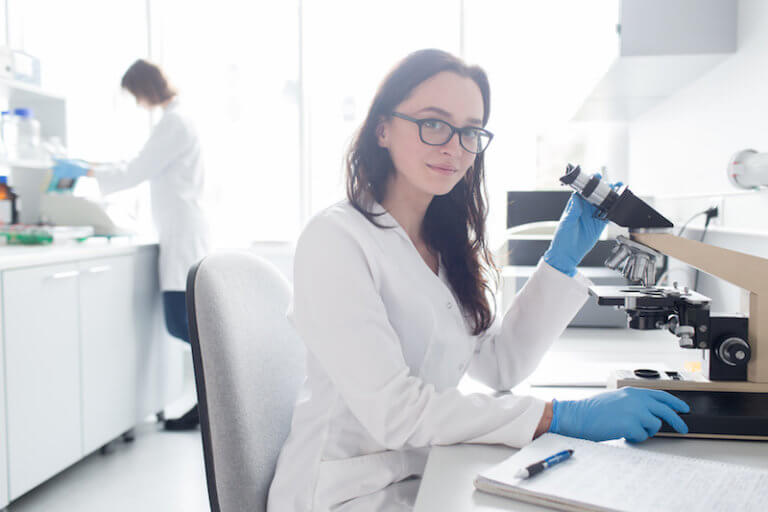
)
(643, 296)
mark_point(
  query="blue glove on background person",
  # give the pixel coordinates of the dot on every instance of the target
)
(632, 413)
(576, 234)
(65, 171)
(69, 168)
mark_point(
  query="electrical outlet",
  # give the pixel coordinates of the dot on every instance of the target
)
(719, 220)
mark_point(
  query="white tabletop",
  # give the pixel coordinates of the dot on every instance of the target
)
(18, 256)
(447, 481)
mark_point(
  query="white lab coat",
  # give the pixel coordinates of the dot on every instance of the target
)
(171, 161)
(387, 345)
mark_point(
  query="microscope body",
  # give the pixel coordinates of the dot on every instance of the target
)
(729, 397)
(686, 314)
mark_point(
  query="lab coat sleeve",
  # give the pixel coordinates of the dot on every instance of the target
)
(341, 317)
(169, 139)
(510, 350)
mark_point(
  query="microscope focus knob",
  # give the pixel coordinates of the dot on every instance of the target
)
(734, 352)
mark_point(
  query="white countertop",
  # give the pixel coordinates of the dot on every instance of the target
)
(583, 357)
(447, 483)
(580, 355)
(19, 256)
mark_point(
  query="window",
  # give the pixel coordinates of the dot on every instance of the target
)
(278, 91)
(84, 61)
(236, 66)
(542, 58)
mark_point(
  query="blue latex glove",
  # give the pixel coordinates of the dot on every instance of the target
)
(632, 413)
(69, 168)
(576, 234)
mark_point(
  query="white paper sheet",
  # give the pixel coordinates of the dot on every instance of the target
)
(604, 477)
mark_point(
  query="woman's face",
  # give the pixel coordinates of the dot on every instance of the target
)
(421, 168)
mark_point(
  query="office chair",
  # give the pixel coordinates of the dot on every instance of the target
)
(249, 365)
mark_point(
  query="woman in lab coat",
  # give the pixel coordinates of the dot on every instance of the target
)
(170, 160)
(390, 299)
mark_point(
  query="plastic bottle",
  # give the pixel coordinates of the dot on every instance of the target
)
(9, 127)
(28, 134)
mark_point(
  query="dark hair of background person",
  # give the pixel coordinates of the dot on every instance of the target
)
(146, 80)
(454, 224)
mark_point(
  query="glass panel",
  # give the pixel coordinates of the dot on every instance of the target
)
(84, 61)
(543, 58)
(236, 66)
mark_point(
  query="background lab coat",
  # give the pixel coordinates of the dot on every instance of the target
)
(387, 345)
(171, 161)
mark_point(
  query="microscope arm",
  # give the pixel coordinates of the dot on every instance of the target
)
(743, 270)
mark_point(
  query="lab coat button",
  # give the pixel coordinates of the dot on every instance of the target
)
(450, 305)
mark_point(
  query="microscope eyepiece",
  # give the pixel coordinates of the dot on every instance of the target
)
(590, 187)
(619, 206)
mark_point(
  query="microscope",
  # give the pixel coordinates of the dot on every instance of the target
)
(729, 396)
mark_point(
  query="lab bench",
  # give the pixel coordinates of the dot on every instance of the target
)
(574, 368)
(85, 356)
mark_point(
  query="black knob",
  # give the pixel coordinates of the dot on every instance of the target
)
(734, 352)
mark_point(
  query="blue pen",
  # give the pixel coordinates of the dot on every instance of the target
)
(540, 466)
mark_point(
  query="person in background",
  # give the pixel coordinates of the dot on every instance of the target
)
(391, 298)
(171, 162)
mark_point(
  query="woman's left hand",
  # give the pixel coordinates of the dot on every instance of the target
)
(576, 234)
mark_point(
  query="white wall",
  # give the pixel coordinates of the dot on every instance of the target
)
(686, 141)
(679, 150)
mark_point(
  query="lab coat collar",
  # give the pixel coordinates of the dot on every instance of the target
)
(389, 220)
(386, 219)
(172, 105)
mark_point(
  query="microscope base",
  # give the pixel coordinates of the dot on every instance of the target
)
(722, 410)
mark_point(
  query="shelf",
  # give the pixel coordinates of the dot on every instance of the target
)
(27, 164)
(24, 87)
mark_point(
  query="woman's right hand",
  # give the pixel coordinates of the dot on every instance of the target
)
(632, 413)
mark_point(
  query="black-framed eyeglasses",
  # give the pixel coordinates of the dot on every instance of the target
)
(436, 132)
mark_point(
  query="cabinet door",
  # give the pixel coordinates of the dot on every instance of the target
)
(3, 432)
(42, 353)
(107, 305)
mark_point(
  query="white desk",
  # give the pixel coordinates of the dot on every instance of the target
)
(447, 481)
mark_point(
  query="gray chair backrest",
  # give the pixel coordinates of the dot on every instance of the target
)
(249, 366)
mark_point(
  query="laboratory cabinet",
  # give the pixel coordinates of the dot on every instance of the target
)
(108, 350)
(42, 365)
(86, 359)
(3, 431)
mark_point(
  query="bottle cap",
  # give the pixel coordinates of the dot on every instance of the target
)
(22, 112)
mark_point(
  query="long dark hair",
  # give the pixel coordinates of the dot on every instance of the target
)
(454, 224)
(146, 80)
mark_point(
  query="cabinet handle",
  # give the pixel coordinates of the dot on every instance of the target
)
(99, 269)
(64, 275)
